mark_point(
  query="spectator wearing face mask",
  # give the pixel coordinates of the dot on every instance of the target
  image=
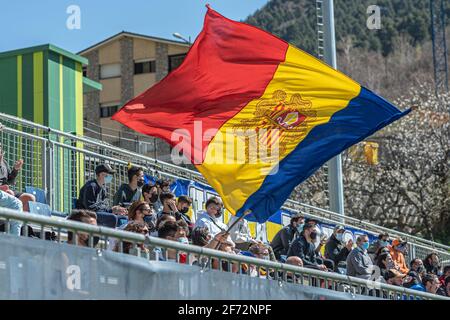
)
(385, 263)
(183, 204)
(282, 240)
(359, 263)
(379, 252)
(398, 250)
(211, 218)
(176, 208)
(260, 251)
(151, 196)
(139, 212)
(162, 186)
(169, 204)
(93, 194)
(381, 242)
(416, 265)
(335, 249)
(304, 248)
(431, 263)
(131, 191)
(174, 231)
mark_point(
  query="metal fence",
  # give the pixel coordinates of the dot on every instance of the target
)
(60, 163)
(144, 246)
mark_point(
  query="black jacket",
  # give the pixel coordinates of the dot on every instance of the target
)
(93, 197)
(335, 250)
(281, 241)
(7, 176)
(430, 268)
(305, 251)
(124, 196)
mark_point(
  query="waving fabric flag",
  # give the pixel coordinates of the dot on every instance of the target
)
(255, 115)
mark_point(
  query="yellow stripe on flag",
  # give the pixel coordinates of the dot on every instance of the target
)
(301, 84)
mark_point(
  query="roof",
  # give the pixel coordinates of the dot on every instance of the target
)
(133, 35)
(45, 47)
(90, 85)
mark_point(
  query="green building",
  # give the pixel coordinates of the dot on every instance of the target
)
(45, 84)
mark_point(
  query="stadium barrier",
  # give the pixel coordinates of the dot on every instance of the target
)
(272, 271)
(60, 163)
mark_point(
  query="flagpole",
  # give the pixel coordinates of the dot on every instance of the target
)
(246, 213)
(335, 185)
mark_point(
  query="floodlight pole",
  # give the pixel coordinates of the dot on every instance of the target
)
(335, 185)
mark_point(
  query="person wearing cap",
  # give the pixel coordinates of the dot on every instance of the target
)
(398, 250)
(92, 195)
(282, 240)
(381, 242)
(336, 249)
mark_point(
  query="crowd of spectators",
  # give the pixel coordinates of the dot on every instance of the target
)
(152, 210)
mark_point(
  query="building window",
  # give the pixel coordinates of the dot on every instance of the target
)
(175, 61)
(107, 111)
(145, 67)
(110, 71)
(84, 71)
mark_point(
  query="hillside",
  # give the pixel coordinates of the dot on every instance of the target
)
(295, 21)
(408, 189)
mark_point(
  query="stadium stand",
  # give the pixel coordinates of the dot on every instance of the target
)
(57, 164)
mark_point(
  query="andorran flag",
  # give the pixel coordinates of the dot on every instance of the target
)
(255, 115)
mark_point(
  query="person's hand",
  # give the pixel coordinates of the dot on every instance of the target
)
(221, 236)
(18, 165)
(119, 210)
(173, 206)
(323, 267)
(349, 245)
(4, 187)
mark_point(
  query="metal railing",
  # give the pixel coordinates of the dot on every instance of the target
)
(69, 160)
(272, 271)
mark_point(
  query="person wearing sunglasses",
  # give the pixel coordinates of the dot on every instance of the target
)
(128, 247)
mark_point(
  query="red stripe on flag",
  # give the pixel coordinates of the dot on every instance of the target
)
(229, 65)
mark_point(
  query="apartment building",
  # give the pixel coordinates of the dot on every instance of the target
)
(127, 64)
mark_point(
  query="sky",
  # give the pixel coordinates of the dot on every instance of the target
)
(26, 23)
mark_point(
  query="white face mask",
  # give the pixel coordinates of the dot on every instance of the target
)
(108, 179)
(183, 240)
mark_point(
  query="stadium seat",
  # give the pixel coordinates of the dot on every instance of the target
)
(106, 219)
(59, 214)
(40, 209)
(121, 220)
(38, 193)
